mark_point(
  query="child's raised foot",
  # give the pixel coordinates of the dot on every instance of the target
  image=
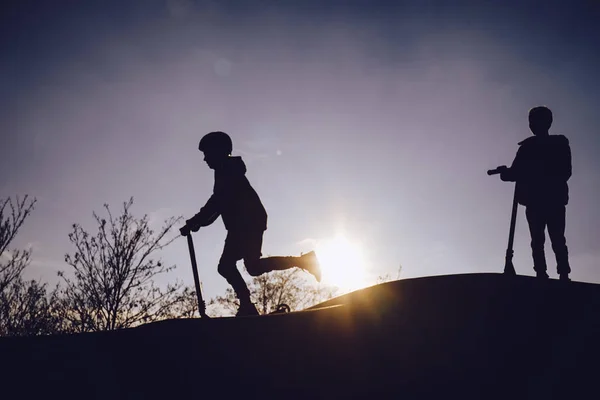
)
(310, 263)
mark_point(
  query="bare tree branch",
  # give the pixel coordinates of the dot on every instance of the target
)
(12, 263)
(112, 286)
(27, 310)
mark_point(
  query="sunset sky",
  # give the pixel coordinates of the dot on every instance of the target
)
(361, 117)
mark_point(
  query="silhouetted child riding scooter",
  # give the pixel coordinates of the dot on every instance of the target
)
(245, 219)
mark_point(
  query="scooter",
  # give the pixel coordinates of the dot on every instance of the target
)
(280, 309)
(201, 303)
(509, 268)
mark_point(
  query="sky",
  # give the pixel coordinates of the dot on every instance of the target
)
(375, 119)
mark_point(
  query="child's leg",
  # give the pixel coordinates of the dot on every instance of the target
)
(307, 262)
(255, 265)
(536, 219)
(556, 231)
(269, 264)
(232, 252)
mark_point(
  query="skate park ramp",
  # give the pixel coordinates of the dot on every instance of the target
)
(475, 336)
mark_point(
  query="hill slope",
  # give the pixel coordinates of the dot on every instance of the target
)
(474, 336)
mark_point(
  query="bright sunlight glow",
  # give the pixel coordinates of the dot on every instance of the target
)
(342, 263)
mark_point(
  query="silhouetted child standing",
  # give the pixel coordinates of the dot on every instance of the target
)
(245, 219)
(541, 170)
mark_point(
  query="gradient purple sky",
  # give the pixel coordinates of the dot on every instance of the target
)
(379, 120)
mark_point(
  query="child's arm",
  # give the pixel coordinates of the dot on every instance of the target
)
(207, 215)
(566, 167)
(513, 173)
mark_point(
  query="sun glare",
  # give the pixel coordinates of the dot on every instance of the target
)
(342, 263)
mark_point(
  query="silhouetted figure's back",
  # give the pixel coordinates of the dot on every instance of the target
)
(541, 170)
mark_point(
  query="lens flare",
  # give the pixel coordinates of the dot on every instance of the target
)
(342, 263)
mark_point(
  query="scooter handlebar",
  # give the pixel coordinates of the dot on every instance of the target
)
(185, 231)
(496, 171)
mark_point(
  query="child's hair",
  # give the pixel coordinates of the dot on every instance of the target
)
(541, 116)
(216, 141)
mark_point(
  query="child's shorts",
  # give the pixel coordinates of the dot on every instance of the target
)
(242, 245)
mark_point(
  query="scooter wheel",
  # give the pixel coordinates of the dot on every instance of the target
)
(282, 308)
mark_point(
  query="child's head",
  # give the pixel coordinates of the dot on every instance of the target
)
(540, 120)
(216, 146)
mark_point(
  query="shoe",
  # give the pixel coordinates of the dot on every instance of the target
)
(310, 263)
(564, 277)
(541, 274)
(247, 310)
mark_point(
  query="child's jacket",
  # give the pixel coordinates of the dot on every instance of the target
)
(541, 170)
(234, 200)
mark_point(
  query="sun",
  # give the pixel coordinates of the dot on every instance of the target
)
(342, 263)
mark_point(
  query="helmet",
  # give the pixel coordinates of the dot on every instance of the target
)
(216, 141)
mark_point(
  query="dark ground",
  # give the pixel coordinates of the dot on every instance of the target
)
(476, 336)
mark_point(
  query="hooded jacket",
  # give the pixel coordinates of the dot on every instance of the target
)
(234, 200)
(541, 170)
